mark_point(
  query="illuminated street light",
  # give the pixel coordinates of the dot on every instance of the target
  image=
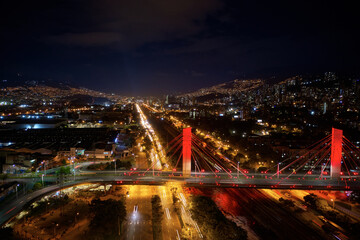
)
(159, 151)
(73, 161)
(17, 191)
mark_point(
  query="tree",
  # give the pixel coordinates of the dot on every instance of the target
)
(64, 171)
(355, 196)
(311, 200)
(174, 198)
(212, 222)
(4, 177)
(262, 169)
(156, 206)
(286, 202)
(7, 233)
(37, 186)
(157, 215)
(110, 212)
(239, 157)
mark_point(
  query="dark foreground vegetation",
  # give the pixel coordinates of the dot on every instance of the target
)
(213, 224)
(108, 216)
(157, 216)
(111, 165)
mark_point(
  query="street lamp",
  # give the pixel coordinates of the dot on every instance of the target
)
(74, 168)
(115, 166)
(42, 180)
(57, 225)
(44, 166)
(16, 190)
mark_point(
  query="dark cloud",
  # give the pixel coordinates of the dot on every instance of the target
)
(129, 24)
(157, 46)
(197, 74)
(87, 39)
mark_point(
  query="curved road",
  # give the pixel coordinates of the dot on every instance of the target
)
(146, 177)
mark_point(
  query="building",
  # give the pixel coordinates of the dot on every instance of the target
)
(97, 153)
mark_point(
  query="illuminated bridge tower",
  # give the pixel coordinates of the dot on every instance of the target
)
(336, 152)
(187, 152)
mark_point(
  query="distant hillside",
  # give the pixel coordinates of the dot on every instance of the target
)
(29, 91)
(228, 88)
(245, 86)
(22, 82)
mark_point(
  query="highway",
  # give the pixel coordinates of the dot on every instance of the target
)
(253, 204)
(157, 152)
(138, 206)
(13, 208)
(170, 225)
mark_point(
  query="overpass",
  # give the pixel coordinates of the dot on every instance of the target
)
(340, 164)
(194, 180)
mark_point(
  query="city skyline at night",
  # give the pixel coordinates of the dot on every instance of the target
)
(179, 120)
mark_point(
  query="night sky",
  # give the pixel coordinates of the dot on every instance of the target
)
(157, 46)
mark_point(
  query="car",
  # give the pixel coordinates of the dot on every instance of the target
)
(322, 218)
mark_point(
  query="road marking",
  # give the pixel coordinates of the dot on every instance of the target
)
(178, 235)
(167, 213)
(183, 199)
(197, 229)
(10, 210)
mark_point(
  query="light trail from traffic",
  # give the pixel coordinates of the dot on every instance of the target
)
(186, 215)
(157, 153)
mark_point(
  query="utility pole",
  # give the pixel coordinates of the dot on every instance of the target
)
(238, 165)
(115, 166)
(153, 170)
(119, 225)
(278, 170)
(195, 168)
(322, 171)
